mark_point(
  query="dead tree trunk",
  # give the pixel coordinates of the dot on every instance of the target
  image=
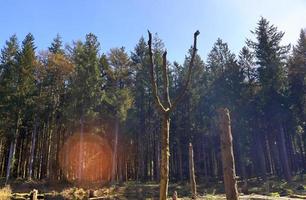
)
(229, 174)
(164, 169)
(191, 173)
(165, 109)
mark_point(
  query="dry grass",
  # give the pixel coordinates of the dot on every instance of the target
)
(5, 193)
(74, 193)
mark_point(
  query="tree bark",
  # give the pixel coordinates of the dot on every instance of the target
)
(191, 173)
(229, 174)
(164, 171)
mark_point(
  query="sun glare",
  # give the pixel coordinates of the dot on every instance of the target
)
(86, 158)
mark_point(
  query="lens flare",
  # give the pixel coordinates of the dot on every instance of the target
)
(86, 158)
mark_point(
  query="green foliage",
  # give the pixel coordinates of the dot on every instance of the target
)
(270, 56)
(86, 80)
(56, 45)
(119, 82)
(8, 83)
(263, 87)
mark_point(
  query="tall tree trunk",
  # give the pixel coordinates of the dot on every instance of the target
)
(191, 173)
(34, 133)
(164, 170)
(283, 153)
(270, 160)
(302, 152)
(229, 174)
(19, 154)
(12, 149)
(81, 153)
(114, 160)
(259, 153)
(10, 158)
(180, 159)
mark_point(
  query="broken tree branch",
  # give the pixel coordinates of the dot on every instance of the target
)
(183, 91)
(152, 76)
(166, 81)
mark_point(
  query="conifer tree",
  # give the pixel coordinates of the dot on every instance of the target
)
(270, 59)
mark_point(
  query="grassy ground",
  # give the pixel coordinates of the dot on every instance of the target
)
(257, 189)
(5, 193)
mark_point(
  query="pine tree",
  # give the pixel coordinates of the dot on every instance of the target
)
(119, 93)
(56, 45)
(270, 59)
(297, 92)
(8, 96)
(85, 85)
(24, 83)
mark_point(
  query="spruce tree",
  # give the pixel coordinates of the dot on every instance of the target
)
(270, 59)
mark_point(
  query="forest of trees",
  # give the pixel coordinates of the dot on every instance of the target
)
(49, 95)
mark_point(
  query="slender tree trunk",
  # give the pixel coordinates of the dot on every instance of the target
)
(259, 153)
(10, 158)
(302, 151)
(283, 154)
(2, 158)
(114, 162)
(34, 133)
(164, 171)
(10, 162)
(191, 173)
(49, 155)
(81, 153)
(19, 152)
(180, 159)
(229, 174)
(270, 160)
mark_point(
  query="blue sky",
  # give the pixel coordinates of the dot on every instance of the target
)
(122, 22)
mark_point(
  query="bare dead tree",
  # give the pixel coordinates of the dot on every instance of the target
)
(165, 108)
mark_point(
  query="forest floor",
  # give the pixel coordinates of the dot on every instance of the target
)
(257, 190)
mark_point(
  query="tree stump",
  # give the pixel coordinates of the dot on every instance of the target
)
(228, 162)
(91, 193)
(174, 196)
(34, 194)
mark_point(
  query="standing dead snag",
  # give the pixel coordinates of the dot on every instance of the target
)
(191, 173)
(165, 109)
(229, 174)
